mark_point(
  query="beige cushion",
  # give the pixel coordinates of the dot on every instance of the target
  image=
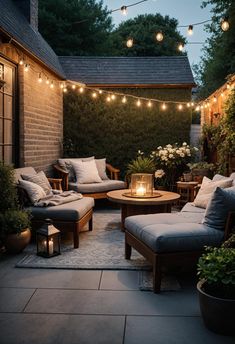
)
(101, 167)
(66, 164)
(207, 188)
(34, 191)
(39, 179)
(86, 172)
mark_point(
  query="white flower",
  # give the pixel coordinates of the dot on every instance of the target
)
(171, 156)
(184, 143)
(178, 151)
(168, 146)
(160, 147)
(159, 174)
(182, 155)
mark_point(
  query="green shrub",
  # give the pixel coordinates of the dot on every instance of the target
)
(14, 221)
(8, 194)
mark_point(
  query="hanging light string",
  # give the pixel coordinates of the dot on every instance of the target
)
(195, 24)
(127, 6)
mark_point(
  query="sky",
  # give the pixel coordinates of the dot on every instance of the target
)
(185, 11)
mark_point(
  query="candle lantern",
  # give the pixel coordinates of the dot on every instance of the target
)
(142, 185)
(48, 240)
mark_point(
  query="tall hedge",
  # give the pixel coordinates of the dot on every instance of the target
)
(117, 131)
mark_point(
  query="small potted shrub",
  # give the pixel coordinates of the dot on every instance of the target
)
(216, 270)
(14, 223)
(201, 169)
(140, 165)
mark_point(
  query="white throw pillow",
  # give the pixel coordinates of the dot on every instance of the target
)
(207, 188)
(34, 191)
(86, 172)
(39, 179)
(101, 167)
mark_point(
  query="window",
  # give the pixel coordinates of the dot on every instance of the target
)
(7, 112)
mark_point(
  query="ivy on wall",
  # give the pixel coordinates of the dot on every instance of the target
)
(117, 131)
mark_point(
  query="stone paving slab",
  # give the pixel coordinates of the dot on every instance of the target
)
(14, 300)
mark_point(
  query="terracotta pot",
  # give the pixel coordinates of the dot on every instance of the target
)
(218, 314)
(16, 243)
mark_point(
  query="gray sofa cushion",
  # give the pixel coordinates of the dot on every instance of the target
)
(172, 232)
(222, 201)
(190, 207)
(71, 211)
(105, 186)
(23, 170)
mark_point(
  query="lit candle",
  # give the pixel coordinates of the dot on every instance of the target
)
(140, 189)
(50, 246)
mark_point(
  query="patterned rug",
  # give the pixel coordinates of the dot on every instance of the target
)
(100, 249)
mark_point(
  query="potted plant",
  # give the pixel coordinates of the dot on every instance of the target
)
(201, 169)
(216, 288)
(140, 165)
(14, 222)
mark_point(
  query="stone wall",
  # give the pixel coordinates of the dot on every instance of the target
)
(40, 113)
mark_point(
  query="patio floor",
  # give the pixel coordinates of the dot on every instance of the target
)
(78, 306)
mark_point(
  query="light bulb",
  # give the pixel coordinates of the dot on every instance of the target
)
(188, 105)
(214, 99)
(159, 36)
(113, 97)
(65, 89)
(149, 104)
(197, 108)
(138, 103)
(129, 43)
(228, 86)
(47, 81)
(40, 78)
(180, 106)
(190, 30)
(100, 91)
(21, 62)
(108, 99)
(94, 95)
(124, 10)
(225, 24)
(163, 106)
(73, 87)
(192, 104)
(61, 85)
(180, 47)
(201, 107)
(81, 89)
(222, 94)
(124, 100)
(52, 85)
(26, 67)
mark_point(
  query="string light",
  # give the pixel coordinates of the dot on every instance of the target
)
(129, 43)
(224, 24)
(180, 46)
(47, 81)
(214, 99)
(100, 91)
(73, 87)
(61, 85)
(81, 89)
(159, 36)
(192, 103)
(190, 30)
(124, 100)
(138, 103)
(21, 62)
(163, 106)
(188, 105)
(108, 99)
(40, 78)
(124, 10)
(94, 95)
(65, 90)
(149, 104)
(52, 84)
(26, 67)
(113, 97)
(180, 106)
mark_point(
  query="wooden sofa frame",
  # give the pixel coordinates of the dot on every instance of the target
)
(64, 226)
(64, 176)
(158, 260)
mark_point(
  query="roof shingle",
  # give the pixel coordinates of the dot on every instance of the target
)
(16, 25)
(163, 70)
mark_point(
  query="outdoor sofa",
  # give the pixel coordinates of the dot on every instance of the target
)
(109, 177)
(67, 217)
(180, 238)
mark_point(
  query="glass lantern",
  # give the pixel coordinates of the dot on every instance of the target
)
(48, 240)
(142, 185)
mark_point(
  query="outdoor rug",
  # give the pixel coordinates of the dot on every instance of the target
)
(100, 249)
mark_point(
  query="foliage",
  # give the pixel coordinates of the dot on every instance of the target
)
(14, 221)
(140, 165)
(217, 268)
(173, 159)
(230, 243)
(8, 199)
(75, 27)
(201, 165)
(116, 131)
(222, 136)
(218, 60)
(143, 30)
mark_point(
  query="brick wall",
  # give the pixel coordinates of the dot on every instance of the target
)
(40, 114)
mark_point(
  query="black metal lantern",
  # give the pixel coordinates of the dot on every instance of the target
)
(48, 240)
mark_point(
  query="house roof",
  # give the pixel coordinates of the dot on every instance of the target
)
(132, 71)
(14, 23)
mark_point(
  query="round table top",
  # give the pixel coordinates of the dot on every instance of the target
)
(166, 197)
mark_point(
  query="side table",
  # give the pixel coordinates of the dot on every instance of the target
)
(187, 191)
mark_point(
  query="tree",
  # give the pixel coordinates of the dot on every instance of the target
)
(218, 60)
(143, 30)
(75, 27)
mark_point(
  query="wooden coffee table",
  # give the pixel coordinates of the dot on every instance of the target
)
(137, 206)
